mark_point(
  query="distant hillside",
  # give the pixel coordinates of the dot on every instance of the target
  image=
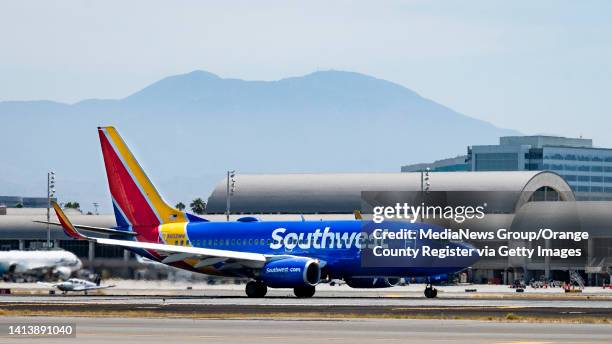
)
(188, 129)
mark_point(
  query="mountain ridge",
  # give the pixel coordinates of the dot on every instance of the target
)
(196, 125)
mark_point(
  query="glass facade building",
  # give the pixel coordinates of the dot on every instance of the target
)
(587, 169)
(26, 202)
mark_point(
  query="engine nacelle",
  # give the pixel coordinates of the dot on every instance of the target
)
(63, 272)
(372, 282)
(291, 273)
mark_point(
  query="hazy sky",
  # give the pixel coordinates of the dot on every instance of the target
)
(535, 66)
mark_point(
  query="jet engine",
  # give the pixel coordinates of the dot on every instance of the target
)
(62, 272)
(291, 273)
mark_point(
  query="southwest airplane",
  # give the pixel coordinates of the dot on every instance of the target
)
(275, 254)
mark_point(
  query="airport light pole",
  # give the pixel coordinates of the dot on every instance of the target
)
(96, 205)
(229, 191)
(50, 194)
(425, 184)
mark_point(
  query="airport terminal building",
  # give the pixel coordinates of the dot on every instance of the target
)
(19, 232)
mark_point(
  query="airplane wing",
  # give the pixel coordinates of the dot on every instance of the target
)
(172, 254)
(100, 287)
(86, 288)
(101, 230)
(179, 253)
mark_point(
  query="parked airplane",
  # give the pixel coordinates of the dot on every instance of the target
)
(58, 263)
(275, 254)
(75, 284)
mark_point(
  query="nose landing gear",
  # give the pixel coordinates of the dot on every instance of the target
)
(256, 289)
(430, 291)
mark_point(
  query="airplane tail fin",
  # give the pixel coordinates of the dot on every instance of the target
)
(136, 202)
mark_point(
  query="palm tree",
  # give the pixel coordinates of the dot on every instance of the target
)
(198, 206)
(180, 206)
(72, 205)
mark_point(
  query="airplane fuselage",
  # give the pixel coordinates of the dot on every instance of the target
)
(339, 244)
(63, 262)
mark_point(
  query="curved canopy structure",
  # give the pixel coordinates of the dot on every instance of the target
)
(592, 216)
(341, 192)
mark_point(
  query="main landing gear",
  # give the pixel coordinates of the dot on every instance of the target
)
(304, 292)
(256, 289)
(430, 291)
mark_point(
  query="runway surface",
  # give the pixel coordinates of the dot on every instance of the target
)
(289, 300)
(138, 313)
(570, 309)
(329, 302)
(308, 331)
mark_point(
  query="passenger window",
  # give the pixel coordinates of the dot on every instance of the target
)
(175, 242)
(269, 241)
(216, 242)
(250, 241)
(233, 241)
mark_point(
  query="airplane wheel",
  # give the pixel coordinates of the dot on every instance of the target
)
(431, 292)
(256, 289)
(304, 292)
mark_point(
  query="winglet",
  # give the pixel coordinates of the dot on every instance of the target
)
(66, 224)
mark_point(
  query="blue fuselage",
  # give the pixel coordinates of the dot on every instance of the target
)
(338, 244)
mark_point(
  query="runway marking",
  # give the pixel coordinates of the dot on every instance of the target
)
(390, 339)
(523, 342)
